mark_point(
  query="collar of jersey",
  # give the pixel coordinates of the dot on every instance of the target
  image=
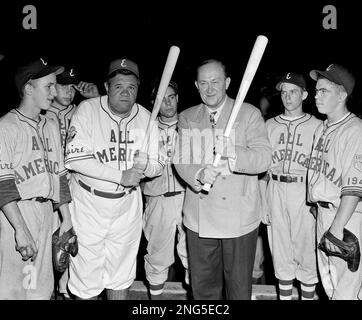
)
(338, 121)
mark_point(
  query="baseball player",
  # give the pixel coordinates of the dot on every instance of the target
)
(335, 178)
(61, 111)
(292, 227)
(164, 199)
(104, 135)
(32, 179)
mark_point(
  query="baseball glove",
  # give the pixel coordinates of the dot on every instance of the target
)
(62, 246)
(349, 248)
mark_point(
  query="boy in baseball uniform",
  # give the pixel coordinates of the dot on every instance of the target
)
(164, 200)
(335, 178)
(32, 180)
(292, 227)
(61, 111)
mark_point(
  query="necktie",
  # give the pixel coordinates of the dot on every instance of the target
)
(212, 118)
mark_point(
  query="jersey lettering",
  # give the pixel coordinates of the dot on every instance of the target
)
(40, 165)
(126, 137)
(113, 137)
(110, 154)
(35, 143)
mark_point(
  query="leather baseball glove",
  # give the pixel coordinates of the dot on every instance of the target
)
(62, 246)
(349, 248)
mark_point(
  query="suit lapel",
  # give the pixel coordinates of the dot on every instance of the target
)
(225, 115)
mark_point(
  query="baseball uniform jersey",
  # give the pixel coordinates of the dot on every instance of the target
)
(291, 234)
(62, 116)
(31, 172)
(163, 212)
(335, 170)
(107, 219)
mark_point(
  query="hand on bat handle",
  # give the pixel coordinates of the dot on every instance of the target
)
(140, 160)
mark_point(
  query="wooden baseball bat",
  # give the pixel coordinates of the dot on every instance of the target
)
(252, 66)
(165, 80)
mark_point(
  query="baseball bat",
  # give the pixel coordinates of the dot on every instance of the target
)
(252, 66)
(165, 80)
(162, 87)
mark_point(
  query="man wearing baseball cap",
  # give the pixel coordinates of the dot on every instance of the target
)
(290, 224)
(32, 180)
(102, 151)
(335, 178)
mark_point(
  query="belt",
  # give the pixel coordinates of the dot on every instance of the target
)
(287, 179)
(170, 194)
(99, 193)
(40, 199)
(324, 204)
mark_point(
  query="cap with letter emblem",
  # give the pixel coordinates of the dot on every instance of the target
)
(294, 78)
(69, 76)
(35, 70)
(123, 64)
(337, 74)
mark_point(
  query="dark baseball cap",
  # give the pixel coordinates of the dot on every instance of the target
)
(68, 76)
(123, 64)
(337, 74)
(35, 70)
(294, 78)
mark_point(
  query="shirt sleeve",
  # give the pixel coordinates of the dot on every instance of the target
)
(8, 190)
(79, 153)
(352, 164)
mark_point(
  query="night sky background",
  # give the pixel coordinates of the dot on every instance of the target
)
(89, 34)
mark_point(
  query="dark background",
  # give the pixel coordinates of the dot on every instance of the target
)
(89, 34)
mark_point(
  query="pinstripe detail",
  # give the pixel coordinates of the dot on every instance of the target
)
(79, 158)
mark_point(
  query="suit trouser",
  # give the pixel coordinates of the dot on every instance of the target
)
(214, 262)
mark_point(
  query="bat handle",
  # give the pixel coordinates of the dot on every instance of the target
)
(206, 187)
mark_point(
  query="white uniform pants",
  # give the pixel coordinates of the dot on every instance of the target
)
(292, 232)
(163, 215)
(338, 281)
(109, 232)
(27, 280)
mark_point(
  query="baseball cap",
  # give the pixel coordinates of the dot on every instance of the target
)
(294, 78)
(337, 74)
(68, 76)
(35, 70)
(123, 64)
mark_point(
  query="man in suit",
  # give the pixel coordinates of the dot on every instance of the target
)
(222, 226)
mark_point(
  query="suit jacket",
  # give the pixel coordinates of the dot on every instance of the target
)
(232, 207)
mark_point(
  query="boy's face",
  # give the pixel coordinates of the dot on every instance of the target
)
(292, 96)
